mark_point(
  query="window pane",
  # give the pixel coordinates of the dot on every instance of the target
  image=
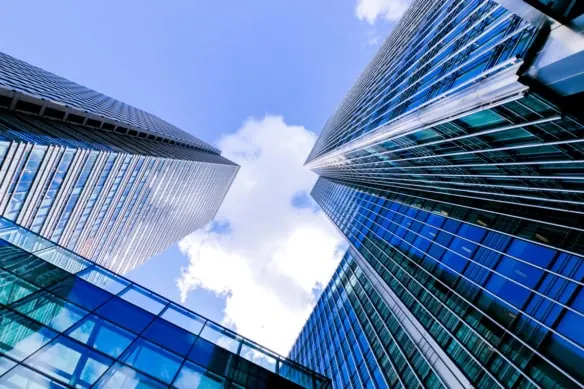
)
(125, 314)
(81, 293)
(5, 364)
(120, 376)
(70, 362)
(102, 335)
(211, 357)
(104, 279)
(170, 336)
(50, 310)
(13, 288)
(20, 336)
(184, 319)
(221, 337)
(143, 299)
(30, 268)
(26, 240)
(21, 377)
(192, 376)
(64, 259)
(259, 357)
(153, 360)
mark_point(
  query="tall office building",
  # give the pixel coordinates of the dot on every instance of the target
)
(66, 322)
(454, 167)
(102, 178)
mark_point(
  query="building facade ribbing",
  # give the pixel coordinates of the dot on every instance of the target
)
(454, 169)
(102, 178)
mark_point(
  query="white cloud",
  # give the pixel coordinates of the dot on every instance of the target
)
(390, 10)
(274, 254)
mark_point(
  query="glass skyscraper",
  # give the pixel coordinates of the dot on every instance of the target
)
(66, 322)
(454, 167)
(101, 178)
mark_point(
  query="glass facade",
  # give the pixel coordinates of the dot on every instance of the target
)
(456, 177)
(67, 322)
(111, 197)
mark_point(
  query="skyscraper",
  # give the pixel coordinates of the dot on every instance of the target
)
(454, 168)
(102, 178)
(67, 322)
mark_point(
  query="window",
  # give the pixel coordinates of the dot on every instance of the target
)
(51, 310)
(153, 360)
(125, 314)
(13, 288)
(104, 279)
(170, 336)
(21, 377)
(20, 336)
(183, 318)
(211, 357)
(143, 299)
(102, 335)
(120, 376)
(81, 293)
(192, 376)
(70, 362)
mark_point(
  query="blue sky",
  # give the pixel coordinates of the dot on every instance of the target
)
(244, 75)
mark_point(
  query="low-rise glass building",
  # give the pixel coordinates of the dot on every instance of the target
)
(66, 322)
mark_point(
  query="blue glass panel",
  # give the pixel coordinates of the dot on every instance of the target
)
(12, 288)
(81, 293)
(120, 376)
(192, 376)
(221, 337)
(102, 335)
(144, 299)
(508, 291)
(50, 310)
(170, 336)
(64, 259)
(20, 336)
(21, 377)
(104, 279)
(151, 359)
(24, 239)
(70, 362)
(572, 324)
(521, 272)
(183, 318)
(531, 252)
(6, 364)
(210, 356)
(125, 314)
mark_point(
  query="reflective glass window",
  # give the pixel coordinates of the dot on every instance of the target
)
(24, 239)
(5, 364)
(120, 376)
(30, 268)
(13, 288)
(183, 318)
(211, 356)
(22, 377)
(102, 335)
(50, 310)
(258, 356)
(170, 336)
(125, 314)
(20, 336)
(221, 337)
(70, 362)
(104, 279)
(64, 259)
(192, 376)
(81, 293)
(152, 359)
(531, 252)
(144, 299)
